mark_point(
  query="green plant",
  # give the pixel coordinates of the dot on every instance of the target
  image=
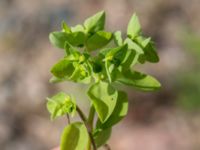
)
(86, 61)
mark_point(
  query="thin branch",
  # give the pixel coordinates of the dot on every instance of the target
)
(68, 119)
(81, 114)
(92, 141)
(83, 118)
(91, 116)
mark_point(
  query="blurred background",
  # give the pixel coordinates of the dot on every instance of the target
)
(168, 119)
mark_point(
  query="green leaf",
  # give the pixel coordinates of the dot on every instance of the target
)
(134, 46)
(74, 137)
(81, 74)
(64, 68)
(65, 27)
(104, 98)
(130, 59)
(150, 53)
(95, 23)
(58, 39)
(60, 104)
(134, 27)
(118, 38)
(78, 28)
(102, 136)
(98, 40)
(72, 53)
(139, 80)
(115, 53)
(119, 112)
(76, 38)
(109, 68)
(116, 56)
(55, 80)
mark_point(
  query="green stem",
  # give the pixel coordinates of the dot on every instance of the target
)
(83, 118)
(90, 122)
(68, 119)
(81, 114)
(91, 116)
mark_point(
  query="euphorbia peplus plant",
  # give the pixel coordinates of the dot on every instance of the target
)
(87, 61)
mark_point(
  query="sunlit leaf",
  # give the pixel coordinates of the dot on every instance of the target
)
(119, 112)
(65, 27)
(139, 80)
(64, 68)
(133, 29)
(78, 28)
(98, 40)
(58, 39)
(134, 46)
(74, 137)
(118, 38)
(95, 23)
(76, 38)
(104, 98)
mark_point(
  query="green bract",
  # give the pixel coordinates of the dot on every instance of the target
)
(60, 104)
(100, 59)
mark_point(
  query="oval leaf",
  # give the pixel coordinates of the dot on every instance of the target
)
(119, 112)
(76, 38)
(98, 40)
(104, 98)
(139, 80)
(58, 39)
(64, 68)
(74, 137)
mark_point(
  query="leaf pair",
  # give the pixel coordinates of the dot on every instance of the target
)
(91, 35)
(143, 46)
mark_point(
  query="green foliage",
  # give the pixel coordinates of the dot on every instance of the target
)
(98, 40)
(102, 136)
(61, 104)
(58, 39)
(104, 98)
(101, 70)
(134, 28)
(74, 137)
(139, 80)
(118, 113)
(95, 23)
(118, 38)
